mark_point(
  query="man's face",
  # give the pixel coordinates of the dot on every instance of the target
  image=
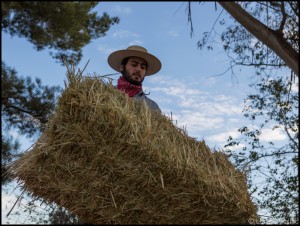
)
(135, 70)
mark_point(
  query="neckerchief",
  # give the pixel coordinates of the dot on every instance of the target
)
(128, 88)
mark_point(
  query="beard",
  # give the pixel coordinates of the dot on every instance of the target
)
(127, 76)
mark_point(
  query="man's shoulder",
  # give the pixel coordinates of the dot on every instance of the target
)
(151, 103)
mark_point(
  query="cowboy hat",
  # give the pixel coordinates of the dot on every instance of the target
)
(115, 58)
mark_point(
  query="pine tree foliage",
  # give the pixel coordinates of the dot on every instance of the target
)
(60, 216)
(9, 151)
(25, 106)
(62, 27)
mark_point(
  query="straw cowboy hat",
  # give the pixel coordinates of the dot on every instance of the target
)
(115, 58)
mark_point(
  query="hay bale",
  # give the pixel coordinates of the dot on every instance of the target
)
(108, 159)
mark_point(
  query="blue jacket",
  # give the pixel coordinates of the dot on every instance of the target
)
(151, 104)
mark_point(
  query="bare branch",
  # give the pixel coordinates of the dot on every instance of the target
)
(190, 19)
(284, 16)
(31, 113)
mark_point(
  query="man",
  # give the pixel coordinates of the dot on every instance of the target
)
(134, 63)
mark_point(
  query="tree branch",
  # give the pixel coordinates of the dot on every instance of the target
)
(272, 39)
(190, 18)
(283, 21)
(8, 105)
(271, 155)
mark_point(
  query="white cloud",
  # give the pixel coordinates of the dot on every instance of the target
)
(223, 137)
(233, 120)
(121, 9)
(124, 34)
(205, 114)
(196, 99)
(106, 50)
(173, 33)
(197, 122)
(157, 79)
(136, 42)
(9, 196)
(209, 81)
(228, 108)
(203, 102)
(295, 87)
(268, 135)
(176, 90)
(6, 205)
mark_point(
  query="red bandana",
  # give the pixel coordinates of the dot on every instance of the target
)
(128, 88)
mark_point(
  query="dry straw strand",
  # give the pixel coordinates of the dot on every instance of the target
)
(109, 159)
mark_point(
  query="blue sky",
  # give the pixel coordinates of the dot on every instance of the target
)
(208, 106)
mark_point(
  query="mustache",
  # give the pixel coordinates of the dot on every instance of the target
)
(137, 73)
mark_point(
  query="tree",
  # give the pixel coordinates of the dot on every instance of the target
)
(280, 34)
(275, 26)
(62, 27)
(60, 215)
(25, 106)
(274, 39)
(9, 150)
(277, 165)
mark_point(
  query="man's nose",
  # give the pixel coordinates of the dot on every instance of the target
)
(139, 68)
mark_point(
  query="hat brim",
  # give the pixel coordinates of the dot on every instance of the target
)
(115, 60)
